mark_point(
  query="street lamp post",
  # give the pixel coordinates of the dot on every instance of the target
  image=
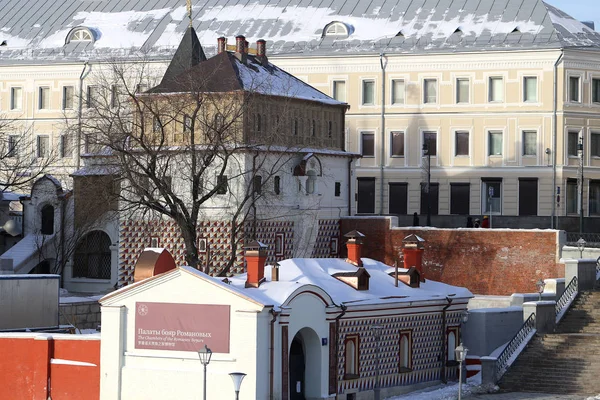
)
(461, 355)
(581, 246)
(427, 153)
(205, 354)
(540, 285)
(237, 378)
(580, 151)
(376, 330)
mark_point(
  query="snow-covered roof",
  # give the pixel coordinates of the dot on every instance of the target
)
(118, 28)
(298, 272)
(10, 196)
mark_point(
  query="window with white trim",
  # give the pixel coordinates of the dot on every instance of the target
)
(339, 90)
(495, 143)
(398, 90)
(43, 98)
(405, 351)
(368, 92)
(530, 89)
(430, 91)
(462, 90)
(574, 89)
(529, 143)
(496, 89)
(16, 98)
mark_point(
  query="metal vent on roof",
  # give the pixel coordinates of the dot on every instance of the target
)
(516, 30)
(4, 43)
(458, 30)
(400, 34)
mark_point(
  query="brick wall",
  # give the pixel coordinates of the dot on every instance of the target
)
(486, 261)
(44, 366)
(82, 315)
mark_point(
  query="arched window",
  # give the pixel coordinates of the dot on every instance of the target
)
(451, 345)
(350, 357)
(405, 352)
(92, 256)
(296, 127)
(80, 34)
(47, 220)
(337, 29)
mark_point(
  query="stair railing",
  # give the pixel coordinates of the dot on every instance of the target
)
(515, 346)
(566, 298)
(598, 268)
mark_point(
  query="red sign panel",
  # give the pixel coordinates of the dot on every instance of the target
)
(181, 327)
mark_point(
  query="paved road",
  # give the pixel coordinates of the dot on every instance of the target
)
(526, 396)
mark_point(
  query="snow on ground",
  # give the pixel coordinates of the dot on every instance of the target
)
(66, 297)
(445, 392)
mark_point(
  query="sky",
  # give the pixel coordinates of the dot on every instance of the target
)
(583, 10)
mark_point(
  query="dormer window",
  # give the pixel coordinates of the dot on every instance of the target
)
(337, 29)
(80, 34)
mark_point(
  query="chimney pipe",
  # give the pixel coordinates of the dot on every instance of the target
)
(222, 45)
(256, 255)
(261, 51)
(246, 46)
(413, 253)
(240, 51)
(275, 272)
(354, 246)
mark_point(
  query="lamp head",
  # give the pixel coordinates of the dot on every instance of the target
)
(461, 353)
(237, 378)
(540, 284)
(205, 355)
(581, 244)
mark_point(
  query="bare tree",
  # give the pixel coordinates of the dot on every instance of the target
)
(187, 152)
(23, 157)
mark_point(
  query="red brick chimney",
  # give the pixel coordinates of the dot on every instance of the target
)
(256, 255)
(413, 253)
(221, 45)
(261, 51)
(354, 246)
(240, 48)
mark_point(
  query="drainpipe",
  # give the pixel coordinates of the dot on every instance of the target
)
(382, 144)
(272, 351)
(554, 140)
(83, 75)
(350, 199)
(337, 341)
(443, 357)
(62, 240)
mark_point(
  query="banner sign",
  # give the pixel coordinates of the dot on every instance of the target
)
(181, 327)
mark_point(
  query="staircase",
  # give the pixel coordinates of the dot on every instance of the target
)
(565, 362)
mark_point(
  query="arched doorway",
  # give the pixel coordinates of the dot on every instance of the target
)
(92, 256)
(47, 220)
(305, 365)
(297, 366)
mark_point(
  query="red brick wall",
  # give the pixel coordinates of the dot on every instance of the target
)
(486, 261)
(27, 368)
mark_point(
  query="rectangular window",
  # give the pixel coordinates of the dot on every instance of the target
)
(44, 98)
(528, 196)
(462, 143)
(339, 90)
(66, 147)
(596, 90)
(573, 140)
(12, 145)
(277, 184)
(460, 196)
(43, 146)
(16, 98)
(574, 89)
(398, 198)
(156, 124)
(397, 144)
(595, 144)
(495, 143)
(92, 95)
(257, 184)
(430, 91)
(397, 91)
(68, 96)
(529, 143)
(530, 89)
(496, 89)
(368, 93)
(222, 184)
(202, 245)
(187, 123)
(114, 96)
(491, 196)
(572, 196)
(338, 189)
(334, 244)
(430, 142)
(462, 90)
(594, 205)
(368, 144)
(430, 197)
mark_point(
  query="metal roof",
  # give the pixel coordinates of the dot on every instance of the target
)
(38, 29)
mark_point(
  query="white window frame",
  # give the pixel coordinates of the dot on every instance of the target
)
(391, 136)
(579, 88)
(592, 79)
(456, 89)
(362, 92)
(455, 131)
(335, 80)
(537, 143)
(434, 159)
(392, 91)
(491, 78)
(424, 90)
(41, 104)
(489, 131)
(13, 103)
(524, 89)
(64, 104)
(367, 132)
